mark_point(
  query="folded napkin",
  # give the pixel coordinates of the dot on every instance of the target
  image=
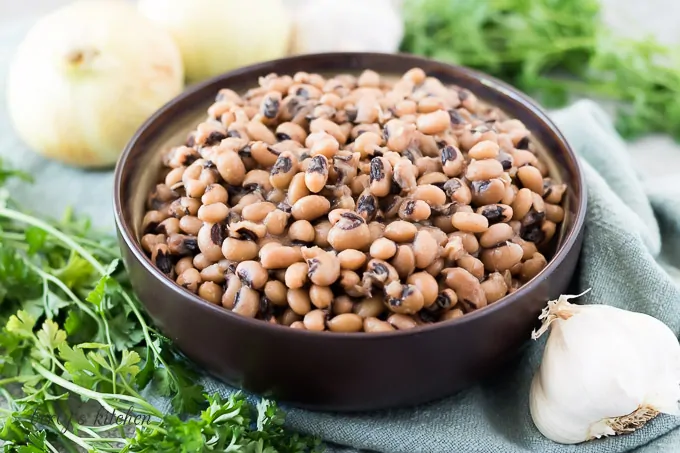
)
(630, 258)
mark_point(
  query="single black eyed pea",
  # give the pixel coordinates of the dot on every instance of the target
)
(190, 279)
(554, 213)
(496, 213)
(369, 78)
(555, 193)
(201, 262)
(316, 320)
(452, 161)
(377, 230)
(485, 149)
(190, 224)
(523, 157)
(404, 261)
(212, 292)
(433, 123)
(458, 191)
(494, 287)
(298, 301)
(532, 266)
(427, 285)
(276, 222)
(213, 273)
(502, 258)
(291, 131)
(470, 241)
(257, 212)
(430, 104)
(472, 265)
(310, 207)
(414, 210)
(454, 248)
(301, 231)
(400, 231)
(405, 107)
(548, 229)
(342, 304)
(467, 287)
(174, 176)
(383, 249)
(350, 282)
(316, 173)
(321, 296)
(321, 231)
(528, 247)
(184, 264)
(289, 317)
(367, 205)
(296, 275)
(537, 203)
(324, 268)
(259, 132)
(436, 177)
(374, 325)
(258, 177)
(239, 249)
(284, 170)
(150, 241)
(252, 274)
(404, 299)
(522, 204)
(351, 259)
(346, 322)
(436, 267)
(481, 170)
(298, 325)
(510, 194)
(439, 236)
(276, 196)
(231, 288)
(367, 143)
(276, 292)
(496, 235)
(370, 306)
(247, 302)
(446, 299)
(426, 249)
(209, 240)
(328, 126)
(279, 257)
(402, 322)
(531, 178)
(213, 213)
(470, 222)
(380, 174)
(194, 188)
(350, 232)
(231, 167)
(183, 206)
(432, 195)
(322, 143)
(487, 192)
(405, 173)
(430, 168)
(214, 193)
(451, 314)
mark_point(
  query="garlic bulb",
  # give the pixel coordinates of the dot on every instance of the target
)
(347, 26)
(86, 77)
(216, 36)
(605, 371)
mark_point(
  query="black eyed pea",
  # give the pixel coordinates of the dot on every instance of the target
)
(350, 232)
(452, 161)
(316, 320)
(367, 206)
(367, 143)
(383, 249)
(427, 285)
(279, 257)
(481, 170)
(310, 207)
(284, 170)
(496, 234)
(405, 107)
(548, 228)
(414, 210)
(451, 314)
(405, 174)
(370, 306)
(472, 265)
(298, 301)
(276, 292)
(231, 288)
(296, 275)
(184, 264)
(247, 302)
(426, 249)
(537, 203)
(195, 188)
(174, 176)
(252, 274)
(214, 193)
(369, 78)
(401, 321)
(324, 268)
(436, 267)
(260, 178)
(181, 245)
(322, 143)
(554, 213)
(380, 176)
(321, 296)
(528, 247)
(240, 201)
(470, 222)
(399, 134)
(532, 266)
(238, 249)
(494, 287)
(432, 195)
(433, 123)
(377, 230)
(213, 273)
(522, 204)
(496, 213)
(291, 131)
(404, 261)
(438, 235)
(257, 212)
(430, 168)
(510, 194)
(346, 322)
(276, 222)
(458, 191)
(531, 178)
(231, 167)
(330, 127)
(379, 273)
(316, 173)
(201, 262)
(213, 213)
(183, 206)
(321, 230)
(446, 299)
(487, 192)
(404, 299)
(436, 177)
(336, 214)
(554, 193)
(190, 279)
(502, 258)
(430, 104)
(352, 259)
(523, 157)
(485, 149)
(150, 241)
(467, 287)
(301, 231)
(289, 317)
(470, 241)
(374, 325)
(400, 231)
(210, 239)
(342, 304)
(351, 283)
(298, 325)
(276, 196)
(211, 292)
(258, 131)
(454, 248)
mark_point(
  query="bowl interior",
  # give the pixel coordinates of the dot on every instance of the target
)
(140, 164)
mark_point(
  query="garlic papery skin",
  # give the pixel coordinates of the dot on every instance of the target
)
(86, 77)
(605, 371)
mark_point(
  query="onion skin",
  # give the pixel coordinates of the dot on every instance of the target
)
(216, 36)
(86, 77)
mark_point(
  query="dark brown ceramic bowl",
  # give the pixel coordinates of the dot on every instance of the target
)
(333, 371)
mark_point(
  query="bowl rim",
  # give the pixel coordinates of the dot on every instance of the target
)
(126, 233)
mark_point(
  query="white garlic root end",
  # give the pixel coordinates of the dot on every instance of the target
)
(622, 425)
(557, 309)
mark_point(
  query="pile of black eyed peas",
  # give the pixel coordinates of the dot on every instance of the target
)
(353, 203)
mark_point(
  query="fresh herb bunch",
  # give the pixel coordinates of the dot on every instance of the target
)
(72, 329)
(553, 49)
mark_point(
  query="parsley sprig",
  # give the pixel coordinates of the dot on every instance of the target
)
(554, 50)
(72, 329)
